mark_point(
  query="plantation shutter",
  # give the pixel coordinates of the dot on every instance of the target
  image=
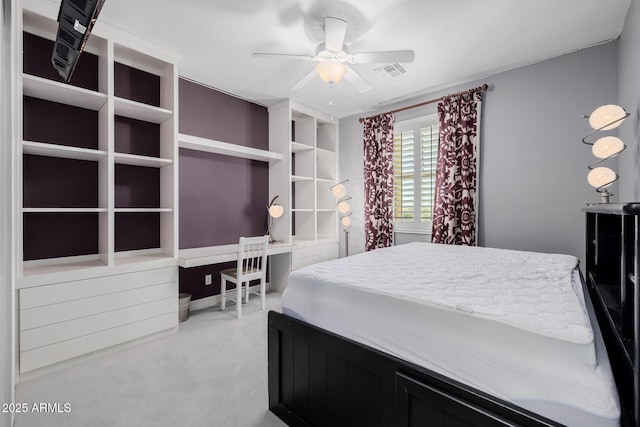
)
(415, 160)
(404, 172)
(428, 161)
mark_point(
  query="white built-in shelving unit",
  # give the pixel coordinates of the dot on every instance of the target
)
(308, 142)
(71, 305)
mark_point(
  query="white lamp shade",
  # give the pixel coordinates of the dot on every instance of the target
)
(346, 221)
(276, 211)
(601, 177)
(331, 71)
(339, 191)
(607, 146)
(602, 116)
(343, 207)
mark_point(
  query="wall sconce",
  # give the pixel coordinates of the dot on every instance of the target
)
(274, 211)
(603, 118)
(344, 209)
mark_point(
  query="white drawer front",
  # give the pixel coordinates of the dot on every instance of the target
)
(55, 313)
(48, 355)
(78, 289)
(312, 255)
(65, 320)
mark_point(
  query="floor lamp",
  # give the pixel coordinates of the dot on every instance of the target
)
(344, 210)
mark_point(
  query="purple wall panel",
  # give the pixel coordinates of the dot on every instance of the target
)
(137, 85)
(37, 61)
(192, 280)
(137, 187)
(137, 231)
(136, 137)
(51, 182)
(221, 198)
(54, 123)
(211, 114)
(51, 235)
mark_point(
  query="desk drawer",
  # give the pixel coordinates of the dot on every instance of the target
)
(313, 254)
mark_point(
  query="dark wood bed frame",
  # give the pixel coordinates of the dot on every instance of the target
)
(318, 378)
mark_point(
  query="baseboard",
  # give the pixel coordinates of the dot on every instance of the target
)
(206, 302)
(213, 300)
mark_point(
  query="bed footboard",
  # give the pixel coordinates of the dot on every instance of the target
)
(317, 378)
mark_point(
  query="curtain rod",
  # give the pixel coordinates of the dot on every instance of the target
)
(484, 87)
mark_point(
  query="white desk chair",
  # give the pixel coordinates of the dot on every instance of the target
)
(252, 265)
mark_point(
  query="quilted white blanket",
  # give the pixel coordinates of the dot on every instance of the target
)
(532, 291)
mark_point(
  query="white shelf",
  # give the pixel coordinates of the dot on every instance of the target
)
(295, 178)
(139, 111)
(62, 151)
(326, 180)
(329, 210)
(296, 147)
(63, 210)
(49, 90)
(212, 146)
(136, 160)
(325, 151)
(301, 210)
(61, 265)
(141, 210)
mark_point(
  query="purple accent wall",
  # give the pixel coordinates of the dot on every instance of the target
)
(137, 231)
(208, 113)
(58, 235)
(51, 182)
(221, 198)
(137, 187)
(137, 85)
(136, 137)
(54, 123)
(37, 61)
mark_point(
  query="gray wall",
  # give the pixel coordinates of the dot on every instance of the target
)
(532, 163)
(6, 286)
(629, 98)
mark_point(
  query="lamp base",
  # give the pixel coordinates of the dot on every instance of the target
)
(604, 197)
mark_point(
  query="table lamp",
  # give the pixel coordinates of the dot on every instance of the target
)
(274, 211)
(604, 118)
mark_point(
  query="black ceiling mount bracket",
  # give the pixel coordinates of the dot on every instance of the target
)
(75, 22)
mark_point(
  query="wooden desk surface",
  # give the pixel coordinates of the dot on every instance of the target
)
(195, 257)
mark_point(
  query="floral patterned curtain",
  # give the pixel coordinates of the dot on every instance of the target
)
(378, 181)
(454, 213)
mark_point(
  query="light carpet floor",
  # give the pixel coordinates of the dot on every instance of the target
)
(213, 372)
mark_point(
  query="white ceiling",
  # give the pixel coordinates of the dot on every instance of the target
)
(455, 41)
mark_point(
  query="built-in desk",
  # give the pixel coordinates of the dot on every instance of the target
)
(280, 265)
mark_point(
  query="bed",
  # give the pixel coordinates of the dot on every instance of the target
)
(424, 334)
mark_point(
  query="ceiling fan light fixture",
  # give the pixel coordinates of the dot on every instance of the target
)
(331, 71)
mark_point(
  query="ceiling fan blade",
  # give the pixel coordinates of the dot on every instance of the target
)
(334, 31)
(305, 80)
(357, 81)
(282, 56)
(383, 57)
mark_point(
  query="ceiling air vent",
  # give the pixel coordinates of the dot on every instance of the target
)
(392, 70)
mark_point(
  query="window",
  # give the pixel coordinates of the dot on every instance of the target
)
(415, 146)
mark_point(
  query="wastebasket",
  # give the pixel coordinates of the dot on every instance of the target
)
(185, 300)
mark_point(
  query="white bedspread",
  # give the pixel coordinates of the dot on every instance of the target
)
(511, 323)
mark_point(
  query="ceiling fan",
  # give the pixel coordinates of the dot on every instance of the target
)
(333, 56)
